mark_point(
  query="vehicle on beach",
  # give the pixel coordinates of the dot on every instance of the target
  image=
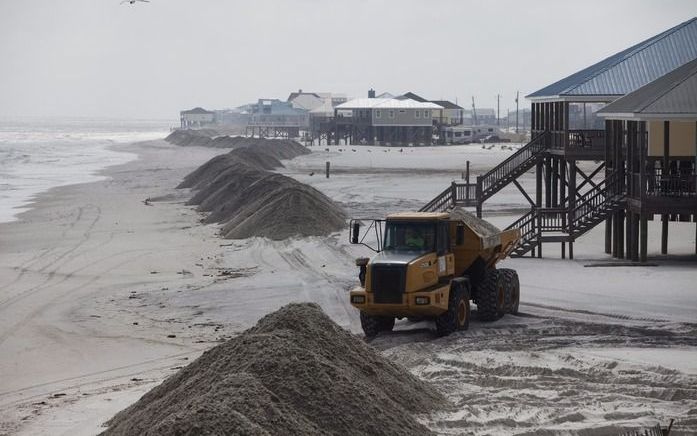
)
(430, 265)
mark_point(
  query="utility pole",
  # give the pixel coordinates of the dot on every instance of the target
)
(516, 110)
(474, 113)
(508, 119)
(498, 110)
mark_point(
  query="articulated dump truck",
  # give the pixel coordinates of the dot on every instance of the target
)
(430, 265)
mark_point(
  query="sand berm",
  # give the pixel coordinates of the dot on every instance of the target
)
(239, 190)
(294, 372)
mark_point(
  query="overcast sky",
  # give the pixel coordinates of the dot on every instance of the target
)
(149, 60)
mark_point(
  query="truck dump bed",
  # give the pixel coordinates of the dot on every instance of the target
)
(481, 239)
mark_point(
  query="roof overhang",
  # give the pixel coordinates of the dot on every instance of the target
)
(648, 117)
(575, 98)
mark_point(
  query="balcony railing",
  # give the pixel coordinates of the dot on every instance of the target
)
(586, 139)
(657, 184)
(576, 140)
(671, 185)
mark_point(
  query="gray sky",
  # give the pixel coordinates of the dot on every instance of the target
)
(101, 58)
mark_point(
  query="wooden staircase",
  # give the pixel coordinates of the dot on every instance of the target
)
(540, 224)
(567, 224)
(513, 167)
(488, 184)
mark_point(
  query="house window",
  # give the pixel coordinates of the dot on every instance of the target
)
(426, 114)
(390, 113)
(417, 114)
(402, 111)
(377, 113)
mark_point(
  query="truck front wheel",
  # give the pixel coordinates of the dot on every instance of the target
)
(457, 317)
(372, 325)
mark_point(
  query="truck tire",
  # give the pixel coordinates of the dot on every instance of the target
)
(491, 296)
(372, 325)
(512, 284)
(457, 317)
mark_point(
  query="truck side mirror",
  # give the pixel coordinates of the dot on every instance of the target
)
(355, 232)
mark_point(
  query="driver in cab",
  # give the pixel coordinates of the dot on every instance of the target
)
(414, 240)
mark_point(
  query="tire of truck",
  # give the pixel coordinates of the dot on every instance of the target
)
(491, 296)
(372, 325)
(512, 284)
(457, 317)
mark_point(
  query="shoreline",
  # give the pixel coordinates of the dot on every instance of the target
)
(77, 248)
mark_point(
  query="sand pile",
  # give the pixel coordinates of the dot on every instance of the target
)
(277, 207)
(239, 191)
(295, 372)
(484, 228)
(212, 138)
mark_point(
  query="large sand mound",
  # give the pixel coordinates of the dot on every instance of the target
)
(295, 372)
(211, 138)
(238, 190)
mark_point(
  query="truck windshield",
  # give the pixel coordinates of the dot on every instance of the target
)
(406, 236)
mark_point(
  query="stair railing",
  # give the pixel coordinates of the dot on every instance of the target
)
(518, 162)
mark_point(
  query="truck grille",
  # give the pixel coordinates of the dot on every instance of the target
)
(387, 283)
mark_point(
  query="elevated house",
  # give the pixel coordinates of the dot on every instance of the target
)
(651, 158)
(566, 129)
(196, 118)
(385, 121)
(276, 118)
(451, 114)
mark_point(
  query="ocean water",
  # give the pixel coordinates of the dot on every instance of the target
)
(39, 154)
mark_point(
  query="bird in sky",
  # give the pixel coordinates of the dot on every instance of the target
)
(132, 2)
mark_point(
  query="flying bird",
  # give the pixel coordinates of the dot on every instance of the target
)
(132, 2)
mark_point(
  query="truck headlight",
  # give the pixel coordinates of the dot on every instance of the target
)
(358, 299)
(422, 300)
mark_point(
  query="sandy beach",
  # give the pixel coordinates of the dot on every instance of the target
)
(68, 261)
(102, 296)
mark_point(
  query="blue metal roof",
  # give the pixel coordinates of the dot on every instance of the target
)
(632, 68)
(674, 94)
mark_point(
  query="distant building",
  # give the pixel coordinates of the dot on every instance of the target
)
(524, 119)
(485, 115)
(276, 118)
(450, 115)
(312, 100)
(385, 121)
(234, 117)
(411, 96)
(196, 118)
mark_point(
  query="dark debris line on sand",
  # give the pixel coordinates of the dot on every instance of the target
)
(238, 190)
(295, 372)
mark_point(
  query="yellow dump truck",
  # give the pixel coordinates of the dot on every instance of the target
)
(429, 266)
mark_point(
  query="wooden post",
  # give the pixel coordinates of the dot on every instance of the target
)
(327, 169)
(664, 234)
(538, 203)
(480, 200)
(608, 234)
(467, 173)
(635, 237)
(555, 182)
(620, 235)
(643, 231)
(539, 233)
(629, 234)
(548, 182)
